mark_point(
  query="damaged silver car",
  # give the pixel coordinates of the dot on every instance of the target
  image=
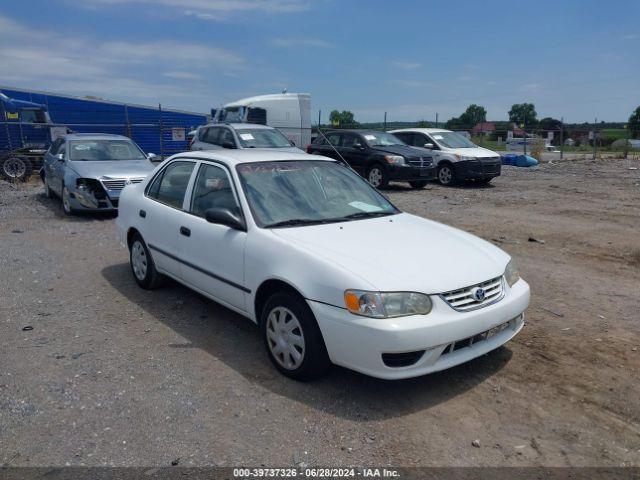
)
(88, 171)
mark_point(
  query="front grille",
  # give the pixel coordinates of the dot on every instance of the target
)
(119, 183)
(464, 299)
(420, 161)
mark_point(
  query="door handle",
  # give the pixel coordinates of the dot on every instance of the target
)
(185, 231)
(142, 213)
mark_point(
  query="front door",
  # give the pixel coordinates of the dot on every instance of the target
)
(213, 255)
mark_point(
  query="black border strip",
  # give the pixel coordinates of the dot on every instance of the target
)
(200, 269)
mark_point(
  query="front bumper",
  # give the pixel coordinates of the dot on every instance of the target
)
(478, 169)
(87, 200)
(411, 173)
(358, 342)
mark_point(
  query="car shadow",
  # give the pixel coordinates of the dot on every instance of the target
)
(55, 206)
(469, 185)
(236, 341)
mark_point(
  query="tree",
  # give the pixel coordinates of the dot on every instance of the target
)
(549, 123)
(344, 118)
(523, 113)
(634, 123)
(473, 115)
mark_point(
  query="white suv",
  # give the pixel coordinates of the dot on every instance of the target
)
(456, 157)
(240, 135)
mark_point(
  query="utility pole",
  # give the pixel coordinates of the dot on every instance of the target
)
(524, 131)
(319, 116)
(436, 119)
(561, 136)
(594, 138)
(385, 122)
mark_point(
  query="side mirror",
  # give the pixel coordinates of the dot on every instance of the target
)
(228, 144)
(224, 216)
(358, 146)
(151, 156)
(429, 146)
(60, 157)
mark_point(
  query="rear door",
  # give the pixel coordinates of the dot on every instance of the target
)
(162, 212)
(355, 151)
(213, 255)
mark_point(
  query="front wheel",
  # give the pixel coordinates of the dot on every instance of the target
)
(66, 202)
(418, 184)
(142, 265)
(377, 176)
(47, 189)
(292, 337)
(446, 174)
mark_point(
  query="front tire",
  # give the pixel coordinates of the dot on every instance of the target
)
(66, 202)
(446, 174)
(418, 184)
(377, 176)
(292, 337)
(142, 266)
(47, 189)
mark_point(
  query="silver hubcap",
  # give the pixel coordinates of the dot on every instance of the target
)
(139, 260)
(65, 200)
(375, 177)
(14, 168)
(285, 338)
(445, 175)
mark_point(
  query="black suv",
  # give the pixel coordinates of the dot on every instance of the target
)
(380, 157)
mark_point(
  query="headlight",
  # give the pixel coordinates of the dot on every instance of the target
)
(387, 304)
(511, 273)
(394, 159)
(465, 157)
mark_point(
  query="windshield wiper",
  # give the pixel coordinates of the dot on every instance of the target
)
(367, 215)
(301, 221)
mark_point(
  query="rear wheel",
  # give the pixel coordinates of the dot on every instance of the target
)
(418, 184)
(446, 175)
(377, 176)
(142, 266)
(292, 337)
(16, 168)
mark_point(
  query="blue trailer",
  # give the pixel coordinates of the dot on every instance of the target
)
(30, 120)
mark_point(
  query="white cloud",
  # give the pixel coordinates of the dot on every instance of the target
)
(300, 42)
(404, 65)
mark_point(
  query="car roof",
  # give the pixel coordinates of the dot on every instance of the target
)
(420, 130)
(94, 136)
(236, 156)
(361, 131)
(236, 126)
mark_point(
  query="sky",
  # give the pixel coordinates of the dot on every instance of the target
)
(577, 59)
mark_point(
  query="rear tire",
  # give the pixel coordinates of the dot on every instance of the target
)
(446, 174)
(142, 266)
(377, 176)
(292, 337)
(418, 184)
(16, 169)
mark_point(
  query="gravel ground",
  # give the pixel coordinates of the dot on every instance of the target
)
(110, 374)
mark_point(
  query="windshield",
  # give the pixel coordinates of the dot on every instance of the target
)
(104, 150)
(262, 138)
(308, 192)
(382, 139)
(452, 140)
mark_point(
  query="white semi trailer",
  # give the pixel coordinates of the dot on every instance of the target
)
(288, 112)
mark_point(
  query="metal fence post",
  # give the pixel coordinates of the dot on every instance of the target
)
(595, 138)
(626, 142)
(561, 137)
(161, 132)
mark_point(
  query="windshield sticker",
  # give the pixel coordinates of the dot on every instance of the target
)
(365, 207)
(438, 137)
(246, 136)
(370, 137)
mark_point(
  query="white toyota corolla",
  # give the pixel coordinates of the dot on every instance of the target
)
(327, 267)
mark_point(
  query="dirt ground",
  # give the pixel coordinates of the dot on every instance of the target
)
(110, 374)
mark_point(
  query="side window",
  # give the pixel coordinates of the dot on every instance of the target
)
(334, 139)
(210, 135)
(226, 138)
(348, 141)
(406, 137)
(170, 186)
(212, 189)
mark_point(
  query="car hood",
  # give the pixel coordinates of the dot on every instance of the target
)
(478, 152)
(404, 150)
(403, 252)
(113, 169)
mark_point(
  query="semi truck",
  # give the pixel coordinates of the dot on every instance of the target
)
(24, 137)
(288, 112)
